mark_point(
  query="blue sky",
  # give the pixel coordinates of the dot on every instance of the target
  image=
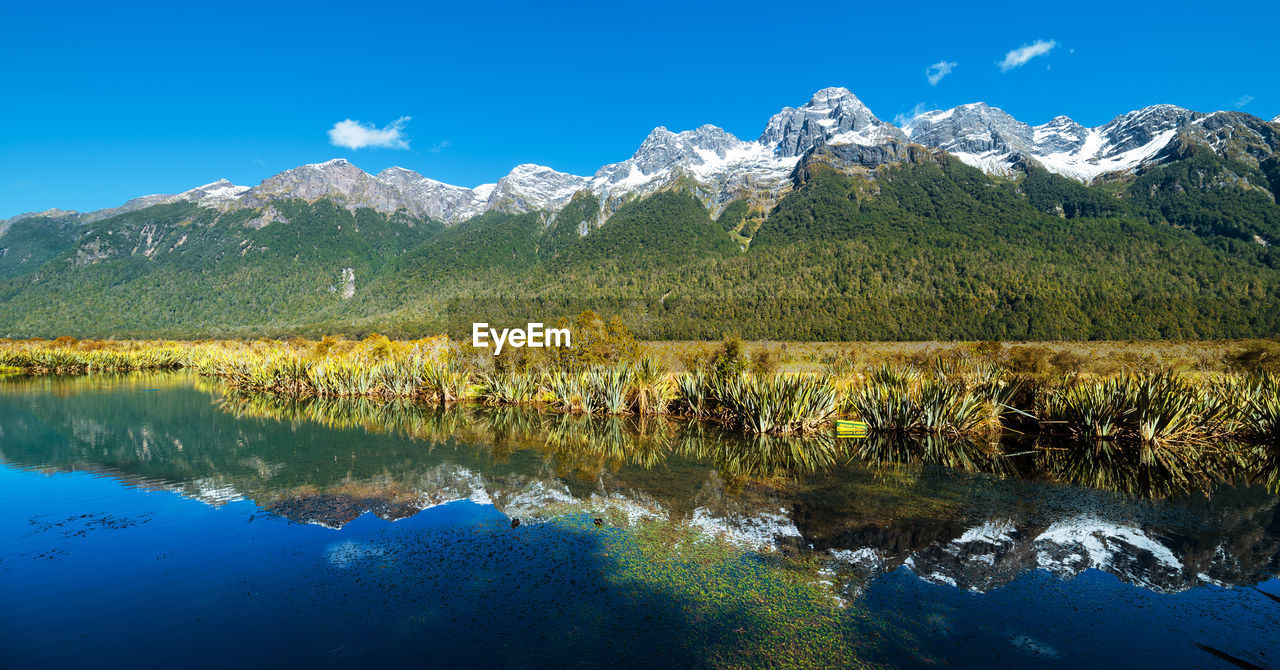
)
(103, 101)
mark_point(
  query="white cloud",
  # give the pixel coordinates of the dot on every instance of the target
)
(440, 146)
(356, 135)
(938, 70)
(1244, 100)
(903, 120)
(1018, 57)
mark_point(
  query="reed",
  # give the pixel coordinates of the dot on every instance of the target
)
(513, 388)
(40, 357)
(1151, 409)
(1260, 407)
(894, 402)
(949, 396)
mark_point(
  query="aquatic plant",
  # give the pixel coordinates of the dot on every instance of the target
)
(693, 393)
(776, 404)
(512, 388)
(956, 394)
(55, 358)
(1260, 407)
(1098, 410)
(893, 403)
(1150, 408)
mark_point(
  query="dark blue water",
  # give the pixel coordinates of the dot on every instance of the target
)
(144, 524)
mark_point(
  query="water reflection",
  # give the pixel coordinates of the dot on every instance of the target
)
(972, 515)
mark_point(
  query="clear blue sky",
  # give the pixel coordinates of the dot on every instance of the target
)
(106, 101)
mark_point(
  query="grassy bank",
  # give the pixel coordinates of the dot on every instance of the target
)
(1117, 397)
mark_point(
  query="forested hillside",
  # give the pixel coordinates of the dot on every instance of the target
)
(919, 249)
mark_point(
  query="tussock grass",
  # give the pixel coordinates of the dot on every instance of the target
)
(978, 391)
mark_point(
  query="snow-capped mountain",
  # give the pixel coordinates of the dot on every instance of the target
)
(434, 199)
(832, 116)
(990, 139)
(529, 187)
(723, 166)
(719, 167)
(525, 188)
(217, 194)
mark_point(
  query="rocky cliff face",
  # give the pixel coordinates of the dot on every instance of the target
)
(720, 166)
(832, 115)
(335, 180)
(434, 199)
(991, 139)
(529, 187)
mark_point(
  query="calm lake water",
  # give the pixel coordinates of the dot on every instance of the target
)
(154, 520)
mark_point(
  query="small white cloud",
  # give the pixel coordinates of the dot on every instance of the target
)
(1019, 57)
(938, 70)
(356, 135)
(440, 146)
(904, 120)
(1244, 100)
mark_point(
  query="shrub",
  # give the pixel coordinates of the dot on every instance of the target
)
(1255, 358)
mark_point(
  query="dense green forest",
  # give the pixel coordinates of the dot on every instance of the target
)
(925, 249)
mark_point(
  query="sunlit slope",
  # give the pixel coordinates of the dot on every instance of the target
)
(921, 247)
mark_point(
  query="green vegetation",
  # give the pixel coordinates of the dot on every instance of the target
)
(666, 228)
(180, 270)
(928, 249)
(979, 392)
(28, 244)
(68, 356)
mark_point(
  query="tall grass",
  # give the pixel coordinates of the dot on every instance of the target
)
(758, 403)
(1153, 409)
(776, 404)
(943, 403)
(952, 397)
(38, 357)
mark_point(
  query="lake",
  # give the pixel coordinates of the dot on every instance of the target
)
(158, 519)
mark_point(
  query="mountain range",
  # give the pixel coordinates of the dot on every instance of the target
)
(817, 174)
(727, 168)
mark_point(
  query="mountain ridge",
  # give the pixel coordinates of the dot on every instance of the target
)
(728, 168)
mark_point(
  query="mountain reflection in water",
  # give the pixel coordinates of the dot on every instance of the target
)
(954, 512)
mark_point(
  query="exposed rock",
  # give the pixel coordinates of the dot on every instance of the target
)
(847, 156)
(830, 114)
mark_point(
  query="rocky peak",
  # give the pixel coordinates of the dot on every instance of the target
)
(395, 174)
(830, 112)
(663, 149)
(336, 179)
(1236, 135)
(976, 128)
(433, 199)
(529, 186)
(409, 180)
(1059, 135)
(54, 213)
(218, 192)
(1141, 127)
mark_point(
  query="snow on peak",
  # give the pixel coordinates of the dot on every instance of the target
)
(830, 112)
(992, 140)
(331, 163)
(530, 186)
(725, 167)
(217, 192)
(833, 96)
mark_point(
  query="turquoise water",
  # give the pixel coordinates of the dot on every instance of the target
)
(151, 520)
